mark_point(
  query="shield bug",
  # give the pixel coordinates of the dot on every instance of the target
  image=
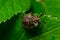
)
(30, 21)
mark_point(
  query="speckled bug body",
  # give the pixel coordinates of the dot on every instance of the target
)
(30, 21)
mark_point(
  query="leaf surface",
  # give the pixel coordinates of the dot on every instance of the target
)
(8, 8)
(52, 22)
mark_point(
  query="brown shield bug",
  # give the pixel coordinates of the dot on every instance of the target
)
(30, 21)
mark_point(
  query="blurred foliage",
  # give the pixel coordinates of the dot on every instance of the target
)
(8, 8)
(13, 29)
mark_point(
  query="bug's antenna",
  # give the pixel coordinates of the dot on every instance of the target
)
(43, 25)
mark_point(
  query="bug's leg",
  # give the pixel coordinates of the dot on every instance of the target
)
(41, 14)
(44, 26)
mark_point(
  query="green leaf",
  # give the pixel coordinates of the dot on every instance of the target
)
(53, 7)
(37, 7)
(12, 29)
(15, 30)
(52, 22)
(51, 32)
(8, 8)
